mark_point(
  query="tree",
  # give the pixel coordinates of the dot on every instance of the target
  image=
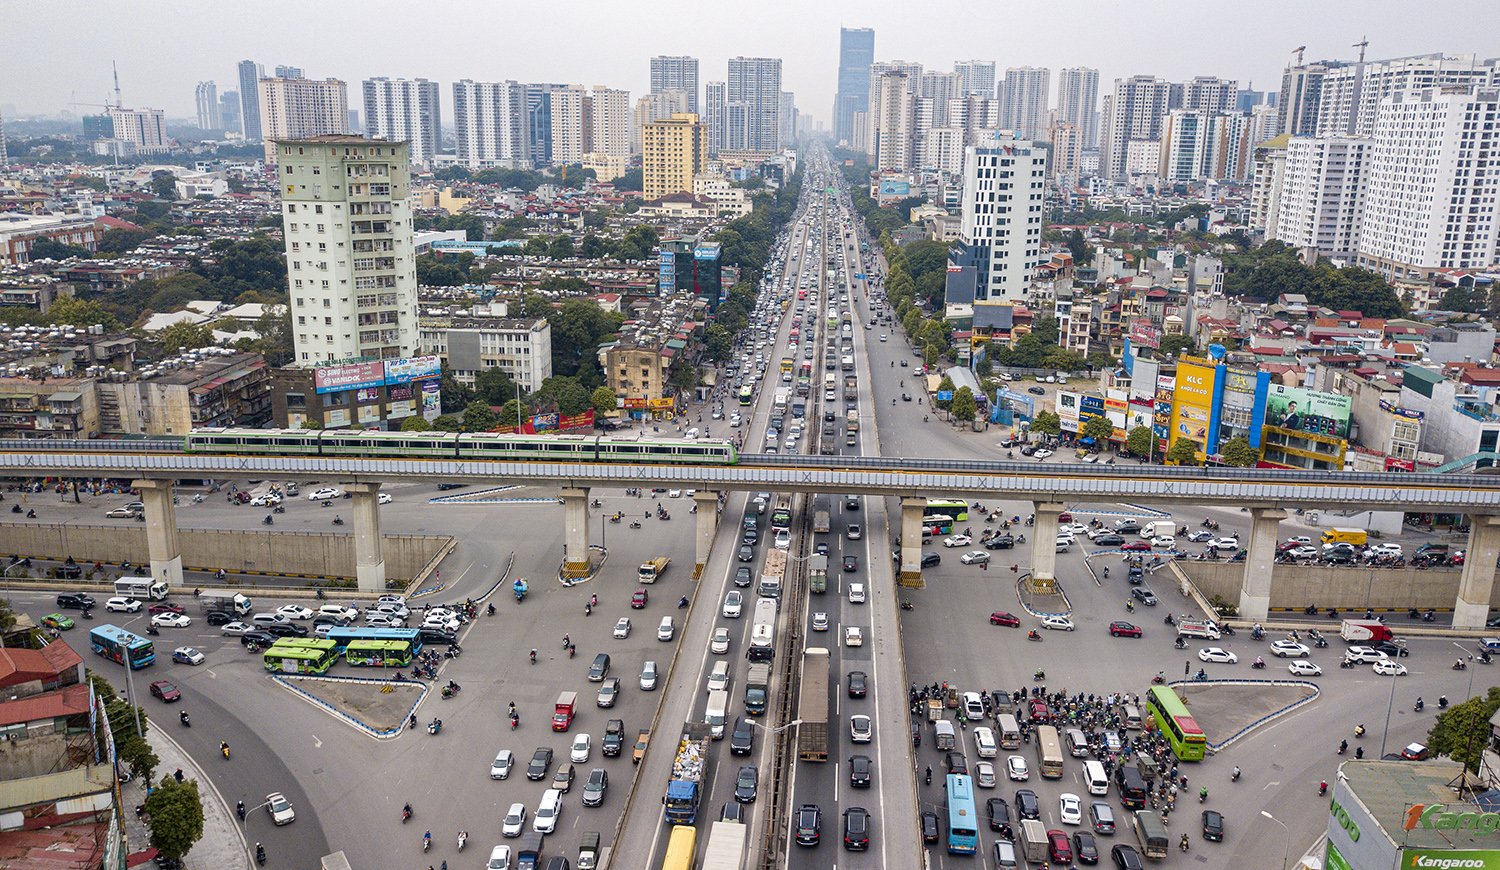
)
(536, 246)
(275, 329)
(1462, 732)
(1175, 345)
(1047, 423)
(453, 394)
(633, 179)
(568, 394)
(72, 311)
(592, 247)
(1183, 452)
(605, 401)
(452, 173)
(717, 342)
(1097, 428)
(176, 813)
(494, 387)
(164, 184)
(312, 424)
(183, 335)
(47, 249)
(118, 240)
(478, 417)
(945, 386)
(964, 406)
(1101, 359)
(510, 413)
(1141, 441)
(1238, 452)
(561, 248)
(416, 423)
(447, 423)
(1083, 252)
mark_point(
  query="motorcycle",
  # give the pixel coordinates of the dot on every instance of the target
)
(1322, 788)
(426, 841)
(1460, 665)
(635, 524)
(151, 629)
(1235, 776)
(463, 837)
(224, 748)
(260, 854)
(1032, 635)
(1039, 676)
(1180, 643)
(907, 605)
(1417, 707)
(1158, 680)
(434, 726)
(1258, 664)
(1343, 747)
(406, 814)
(490, 610)
(187, 721)
(239, 810)
(268, 521)
(338, 521)
(278, 510)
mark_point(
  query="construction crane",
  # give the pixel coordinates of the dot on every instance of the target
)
(1364, 42)
(1298, 52)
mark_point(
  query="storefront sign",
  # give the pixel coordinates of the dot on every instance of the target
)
(1341, 818)
(1450, 859)
(1435, 817)
(1398, 411)
(329, 379)
(417, 368)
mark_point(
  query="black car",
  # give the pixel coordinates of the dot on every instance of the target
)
(1036, 391)
(437, 636)
(821, 548)
(1143, 595)
(285, 629)
(1391, 648)
(1126, 858)
(219, 617)
(747, 554)
(541, 761)
(321, 619)
(856, 829)
(1027, 804)
(745, 784)
(259, 636)
(957, 763)
(1084, 848)
(1109, 540)
(809, 825)
(74, 601)
(851, 502)
(931, 560)
(929, 827)
(742, 576)
(857, 684)
(1213, 826)
(732, 812)
(70, 570)
(751, 537)
(851, 563)
(860, 768)
(1127, 527)
(999, 812)
(1000, 542)
(1135, 574)
(743, 738)
(614, 738)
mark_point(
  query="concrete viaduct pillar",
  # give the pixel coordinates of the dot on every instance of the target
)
(369, 561)
(161, 530)
(1260, 558)
(912, 510)
(707, 524)
(575, 532)
(1478, 580)
(1044, 544)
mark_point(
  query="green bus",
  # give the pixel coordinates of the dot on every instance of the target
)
(378, 653)
(958, 509)
(1172, 719)
(301, 655)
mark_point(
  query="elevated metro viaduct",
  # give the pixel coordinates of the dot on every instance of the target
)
(1267, 494)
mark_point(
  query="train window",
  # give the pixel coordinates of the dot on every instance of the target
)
(622, 448)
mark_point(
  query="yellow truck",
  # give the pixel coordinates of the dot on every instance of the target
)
(653, 568)
(1357, 537)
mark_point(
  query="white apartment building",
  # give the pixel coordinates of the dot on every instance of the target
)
(1024, 100)
(1268, 169)
(489, 124)
(726, 197)
(572, 128)
(1078, 102)
(978, 116)
(352, 275)
(405, 110)
(1430, 202)
(610, 110)
(146, 129)
(943, 150)
(976, 78)
(297, 108)
(656, 106)
(679, 74)
(879, 114)
(1132, 112)
(1349, 96)
(893, 122)
(756, 82)
(206, 98)
(1204, 145)
(1003, 204)
(1067, 150)
(1207, 94)
(940, 87)
(471, 345)
(1322, 197)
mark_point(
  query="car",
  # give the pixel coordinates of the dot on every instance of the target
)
(1028, 805)
(851, 563)
(1016, 769)
(856, 593)
(750, 536)
(820, 621)
(187, 655)
(515, 821)
(674, 493)
(746, 553)
(237, 628)
(171, 620)
(499, 858)
(1070, 809)
(973, 706)
(280, 809)
(742, 740)
(1126, 858)
(563, 779)
(1085, 849)
(957, 541)
(861, 771)
(719, 643)
(1218, 655)
(853, 636)
(122, 514)
(165, 691)
(1299, 539)
(384, 620)
(1000, 617)
(1289, 649)
(384, 498)
(1225, 544)
(999, 815)
(583, 746)
(733, 604)
(809, 825)
(1389, 668)
(746, 783)
(283, 630)
(1120, 628)
(295, 611)
(1415, 752)
(622, 627)
(1057, 623)
(1363, 655)
(541, 762)
(860, 729)
(1163, 541)
(856, 829)
(851, 502)
(1393, 648)
(500, 768)
(1109, 539)
(257, 637)
(270, 499)
(999, 542)
(821, 548)
(1144, 596)
(122, 604)
(1059, 847)
(742, 576)
(1213, 826)
(975, 557)
(57, 621)
(642, 738)
(1136, 546)
(325, 493)
(639, 599)
(609, 691)
(219, 617)
(595, 787)
(1200, 536)
(166, 607)
(1304, 669)
(984, 774)
(929, 827)
(858, 683)
(931, 560)
(1036, 391)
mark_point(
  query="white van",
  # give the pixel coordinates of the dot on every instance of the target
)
(545, 819)
(1093, 774)
(692, 434)
(666, 631)
(718, 678)
(268, 619)
(1010, 731)
(1132, 717)
(984, 743)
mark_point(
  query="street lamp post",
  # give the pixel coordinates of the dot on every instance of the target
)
(1286, 851)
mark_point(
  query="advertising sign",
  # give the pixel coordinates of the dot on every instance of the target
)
(661, 404)
(892, 189)
(1450, 859)
(635, 404)
(432, 406)
(1192, 402)
(543, 422)
(1405, 413)
(1309, 411)
(400, 392)
(1239, 382)
(332, 379)
(367, 394)
(706, 251)
(1144, 333)
(417, 368)
(575, 422)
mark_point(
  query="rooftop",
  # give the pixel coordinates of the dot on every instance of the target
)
(1388, 789)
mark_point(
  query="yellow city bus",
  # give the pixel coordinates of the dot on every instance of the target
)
(378, 653)
(680, 854)
(301, 656)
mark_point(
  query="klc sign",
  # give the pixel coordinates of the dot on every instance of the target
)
(1433, 817)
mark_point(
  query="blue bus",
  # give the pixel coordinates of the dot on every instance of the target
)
(341, 635)
(963, 820)
(118, 645)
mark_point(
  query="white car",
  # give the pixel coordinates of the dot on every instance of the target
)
(280, 808)
(187, 655)
(384, 620)
(171, 620)
(975, 557)
(339, 611)
(449, 624)
(1057, 623)
(499, 858)
(1389, 668)
(122, 604)
(1222, 544)
(735, 420)
(295, 611)
(325, 493)
(820, 621)
(1218, 655)
(515, 821)
(270, 499)
(500, 768)
(622, 628)
(583, 744)
(1364, 655)
(734, 602)
(1303, 552)
(236, 628)
(1301, 668)
(1016, 769)
(853, 636)
(719, 644)
(1164, 541)
(860, 729)
(957, 541)
(1042, 454)
(1299, 539)
(384, 498)
(1289, 649)
(1070, 809)
(123, 513)
(1073, 529)
(674, 493)
(1389, 548)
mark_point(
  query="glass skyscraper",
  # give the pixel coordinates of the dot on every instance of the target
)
(856, 53)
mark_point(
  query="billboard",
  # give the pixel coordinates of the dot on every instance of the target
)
(1144, 333)
(893, 189)
(1192, 403)
(1309, 411)
(333, 379)
(417, 368)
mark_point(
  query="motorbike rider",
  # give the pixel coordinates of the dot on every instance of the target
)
(239, 810)
(1236, 774)
(533, 656)
(406, 811)
(929, 774)
(224, 747)
(1259, 662)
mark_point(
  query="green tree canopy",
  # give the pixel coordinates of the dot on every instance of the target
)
(478, 417)
(1047, 423)
(494, 387)
(1183, 452)
(447, 423)
(1097, 428)
(176, 816)
(183, 335)
(1141, 441)
(605, 401)
(1463, 731)
(416, 423)
(1175, 345)
(561, 248)
(1238, 452)
(510, 413)
(568, 394)
(164, 185)
(964, 405)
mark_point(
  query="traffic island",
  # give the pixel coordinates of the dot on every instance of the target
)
(380, 708)
(1228, 709)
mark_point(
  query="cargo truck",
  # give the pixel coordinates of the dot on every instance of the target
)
(851, 389)
(563, 710)
(653, 568)
(1192, 628)
(820, 514)
(771, 574)
(1364, 631)
(726, 847)
(851, 420)
(1357, 537)
(689, 775)
(234, 605)
(757, 686)
(817, 573)
(1151, 833)
(812, 706)
(1158, 529)
(1034, 841)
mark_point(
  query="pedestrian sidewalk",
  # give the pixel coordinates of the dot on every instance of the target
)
(221, 847)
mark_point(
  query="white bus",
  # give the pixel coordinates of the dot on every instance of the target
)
(763, 631)
(142, 588)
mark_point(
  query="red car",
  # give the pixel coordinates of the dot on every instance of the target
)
(1000, 617)
(638, 600)
(1040, 711)
(1065, 517)
(165, 691)
(1138, 546)
(1124, 629)
(1057, 844)
(240, 498)
(165, 607)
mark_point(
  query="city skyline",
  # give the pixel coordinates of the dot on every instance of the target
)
(614, 48)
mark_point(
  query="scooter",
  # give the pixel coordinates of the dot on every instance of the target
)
(187, 721)
(278, 510)
(338, 521)
(260, 854)
(907, 605)
(426, 841)
(239, 810)
(463, 837)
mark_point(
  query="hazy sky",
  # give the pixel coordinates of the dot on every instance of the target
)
(58, 51)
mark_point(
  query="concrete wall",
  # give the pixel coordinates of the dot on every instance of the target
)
(319, 554)
(1326, 586)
